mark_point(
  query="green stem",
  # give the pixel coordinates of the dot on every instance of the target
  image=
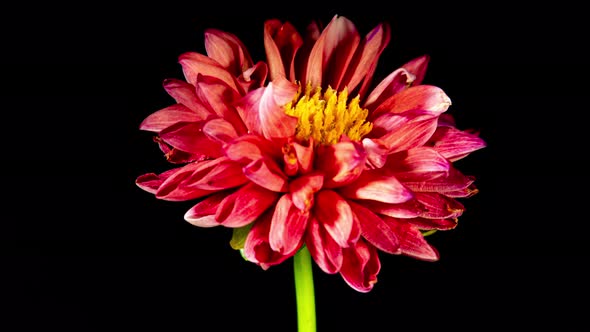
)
(304, 291)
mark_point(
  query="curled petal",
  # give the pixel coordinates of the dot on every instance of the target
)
(244, 206)
(257, 247)
(341, 163)
(227, 50)
(439, 206)
(335, 215)
(412, 242)
(167, 117)
(150, 182)
(195, 64)
(455, 144)
(378, 186)
(218, 97)
(322, 247)
(203, 213)
(421, 97)
(254, 77)
(418, 164)
(304, 188)
(267, 174)
(375, 230)
(360, 266)
(281, 42)
(185, 94)
(418, 68)
(287, 226)
(189, 137)
(395, 82)
(376, 151)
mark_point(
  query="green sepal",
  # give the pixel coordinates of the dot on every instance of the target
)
(238, 237)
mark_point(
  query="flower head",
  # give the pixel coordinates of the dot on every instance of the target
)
(306, 150)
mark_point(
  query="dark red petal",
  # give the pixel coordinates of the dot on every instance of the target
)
(167, 117)
(418, 68)
(266, 173)
(189, 137)
(287, 227)
(375, 230)
(409, 209)
(281, 42)
(412, 242)
(322, 247)
(438, 206)
(341, 163)
(257, 248)
(454, 182)
(430, 224)
(376, 185)
(304, 188)
(335, 215)
(203, 213)
(245, 205)
(254, 77)
(360, 266)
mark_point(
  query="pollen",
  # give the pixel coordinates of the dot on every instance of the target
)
(326, 116)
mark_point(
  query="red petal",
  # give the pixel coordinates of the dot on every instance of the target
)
(455, 182)
(257, 248)
(375, 230)
(341, 163)
(376, 151)
(254, 77)
(303, 189)
(244, 206)
(409, 209)
(227, 50)
(404, 131)
(421, 97)
(248, 109)
(417, 165)
(281, 42)
(412, 242)
(376, 185)
(274, 122)
(220, 130)
(429, 224)
(287, 227)
(194, 64)
(218, 96)
(150, 182)
(189, 137)
(365, 59)
(304, 156)
(418, 68)
(360, 266)
(203, 213)
(248, 148)
(226, 174)
(322, 247)
(185, 93)
(455, 144)
(438, 206)
(177, 187)
(335, 215)
(167, 117)
(395, 82)
(267, 174)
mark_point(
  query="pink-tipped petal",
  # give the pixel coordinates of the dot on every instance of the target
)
(375, 230)
(455, 144)
(167, 117)
(227, 50)
(412, 242)
(177, 187)
(418, 165)
(245, 205)
(341, 163)
(376, 185)
(257, 247)
(287, 227)
(421, 97)
(322, 247)
(335, 215)
(195, 64)
(150, 182)
(418, 68)
(266, 173)
(399, 132)
(360, 266)
(274, 122)
(185, 93)
(203, 213)
(225, 174)
(304, 188)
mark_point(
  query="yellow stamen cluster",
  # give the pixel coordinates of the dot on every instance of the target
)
(326, 117)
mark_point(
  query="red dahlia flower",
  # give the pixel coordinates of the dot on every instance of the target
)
(305, 150)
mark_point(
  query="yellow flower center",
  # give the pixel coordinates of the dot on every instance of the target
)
(326, 117)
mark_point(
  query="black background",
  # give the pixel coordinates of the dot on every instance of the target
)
(84, 249)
